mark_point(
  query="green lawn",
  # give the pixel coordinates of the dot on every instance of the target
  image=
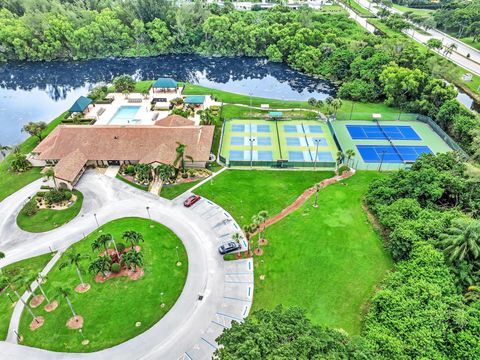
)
(244, 193)
(417, 11)
(48, 219)
(111, 309)
(125, 180)
(469, 41)
(327, 260)
(172, 191)
(24, 267)
(11, 182)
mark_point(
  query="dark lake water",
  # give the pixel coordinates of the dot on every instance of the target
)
(41, 91)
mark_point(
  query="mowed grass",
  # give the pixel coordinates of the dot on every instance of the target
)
(10, 182)
(172, 191)
(327, 260)
(48, 219)
(243, 193)
(110, 310)
(18, 269)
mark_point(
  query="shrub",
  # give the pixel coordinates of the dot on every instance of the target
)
(67, 195)
(121, 247)
(40, 194)
(30, 208)
(54, 196)
(46, 187)
(130, 169)
(342, 169)
(115, 268)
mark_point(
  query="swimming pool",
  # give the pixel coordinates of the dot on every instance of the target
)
(124, 115)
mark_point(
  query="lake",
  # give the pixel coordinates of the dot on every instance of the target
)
(42, 91)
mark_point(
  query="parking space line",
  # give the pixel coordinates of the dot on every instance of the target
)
(238, 282)
(208, 342)
(229, 316)
(217, 323)
(188, 356)
(233, 298)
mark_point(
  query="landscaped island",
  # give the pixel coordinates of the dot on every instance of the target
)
(116, 309)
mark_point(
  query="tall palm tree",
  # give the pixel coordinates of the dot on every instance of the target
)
(133, 237)
(12, 284)
(50, 174)
(340, 157)
(165, 172)
(263, 216)
(39, 281)
(236, 237)
(317, 188)
(133, 258)
(101, 264)
(180, 158)
(73, 259)
(350, 154)
(249, 230)
(61, 291)
(4, 149)
(462, 240)
(102, 241)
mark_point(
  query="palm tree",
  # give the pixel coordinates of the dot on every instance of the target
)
(101, 265)
(61, 291)
(317, 188)
(102, 241)
(73, 259)
(462, 240)
(50, 174)
(263, 216)
(340, 157)
(4, 149)
(12, 284)
(249, 230)
(133, 237)
(180, 158)
(350, 154)
(39, 281)
(237, 237)
(2, 255)
(165, 172)
(134, 258)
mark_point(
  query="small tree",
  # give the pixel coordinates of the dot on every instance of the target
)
(101, 265)
(35, 129)
(50, 174)
(133, 237)
(317, 188)
(19, 163)
(102, 241)
(73, 259)
(124, 84)
(4, 149)
(180, 158)
(61, 291)
(133, 259)
(350, 154)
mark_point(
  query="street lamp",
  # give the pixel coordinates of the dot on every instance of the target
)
(8, 294)
(96, 220)
(381, 161)
(178, 257)
(252, 140)
(148, 212)
(161, 297)
(317, 142)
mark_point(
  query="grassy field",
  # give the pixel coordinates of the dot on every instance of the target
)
(417, 11)
(20, 268)
(245, 193)
(469, 41)
(110, 310)
(48, 219)
(327, 260)
(11, 182)
(172, 191)
(126, 181)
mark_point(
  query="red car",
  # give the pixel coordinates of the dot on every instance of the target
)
(191, 200)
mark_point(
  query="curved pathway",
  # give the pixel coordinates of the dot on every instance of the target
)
(215, 292)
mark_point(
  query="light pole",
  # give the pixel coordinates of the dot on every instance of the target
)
(178, 257)
(96, 220)
(317, 142)
(161, 297)
(148, 212)
(381, 161)
(252, 140)
(8, 294)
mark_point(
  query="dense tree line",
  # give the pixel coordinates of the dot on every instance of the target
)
(460, 17)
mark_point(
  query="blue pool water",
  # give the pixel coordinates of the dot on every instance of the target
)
(124, 115)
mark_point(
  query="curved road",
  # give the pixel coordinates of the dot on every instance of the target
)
(189, 329)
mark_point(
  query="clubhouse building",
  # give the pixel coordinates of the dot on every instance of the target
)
(73, 148)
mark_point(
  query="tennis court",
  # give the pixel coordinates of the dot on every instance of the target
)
(295, 142)
(383, 132)
(390, 142)
(391, 154)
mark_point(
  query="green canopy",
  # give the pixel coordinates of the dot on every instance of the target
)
(81, 104)
(165, 83)
(195, 99)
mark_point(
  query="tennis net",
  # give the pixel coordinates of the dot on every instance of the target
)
(390, 141)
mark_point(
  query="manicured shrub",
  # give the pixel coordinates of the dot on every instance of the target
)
(115, 268)
(30, 208)
(54, 196)
(130, 169)
(67, 195)
(45, 187)
(342, 169)
(121, 247)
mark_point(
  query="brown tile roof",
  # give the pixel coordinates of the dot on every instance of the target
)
(146, 143)
(174, 120)
(70, 166)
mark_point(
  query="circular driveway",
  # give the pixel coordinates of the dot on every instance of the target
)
(215, 292)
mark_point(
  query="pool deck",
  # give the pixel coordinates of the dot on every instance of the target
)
(145, 115)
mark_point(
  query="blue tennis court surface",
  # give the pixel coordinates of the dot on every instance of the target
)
(315, 141)
(236, 140)
(238, 128)
(374, 153)
(315, 129)
(263, 128)
(293, 141)
(323, 156)
(374, 132)
(290, 128)
(236, 154)
(265, 155)
(295, 156)
(264, 141)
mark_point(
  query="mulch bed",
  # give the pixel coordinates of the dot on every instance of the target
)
(37, 323)
(75, 323)
(82, 288)
(132, 275)
(258, 251)
(51, 306)
(36, 301)
(263, 241)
